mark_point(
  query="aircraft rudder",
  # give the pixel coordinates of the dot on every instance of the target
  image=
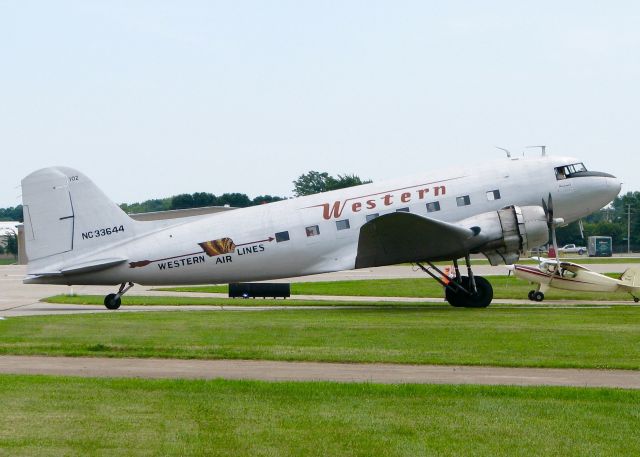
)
(64, 211)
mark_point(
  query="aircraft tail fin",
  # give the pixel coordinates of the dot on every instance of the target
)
(66, 214)
(631, 277)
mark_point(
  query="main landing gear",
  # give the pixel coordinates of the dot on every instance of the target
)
(463, 291)
(536, 295)
(112, 301)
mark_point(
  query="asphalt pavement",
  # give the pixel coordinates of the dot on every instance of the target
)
(316, 371)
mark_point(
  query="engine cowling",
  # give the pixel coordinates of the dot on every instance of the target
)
(505, 234)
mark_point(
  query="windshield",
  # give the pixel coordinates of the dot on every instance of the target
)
(566, 171)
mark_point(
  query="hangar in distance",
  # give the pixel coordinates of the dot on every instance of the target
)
(75, 235)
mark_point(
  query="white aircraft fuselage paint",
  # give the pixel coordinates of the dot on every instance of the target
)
(175, 257)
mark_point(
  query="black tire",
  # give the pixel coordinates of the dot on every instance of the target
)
(538, 296)
(636, 299)
(531, 292)
(112, 301)
(481, 299)
(455, 297)
(581, 251)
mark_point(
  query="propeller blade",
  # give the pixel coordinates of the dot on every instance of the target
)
(547, 207)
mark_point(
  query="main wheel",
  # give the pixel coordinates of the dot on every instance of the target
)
(538, 296)
(112, 301)
(481, 299)
(531, 293)
(456, 297)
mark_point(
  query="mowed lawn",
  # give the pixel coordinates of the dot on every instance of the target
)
(552, 337)
(75, 416)
(505, 287)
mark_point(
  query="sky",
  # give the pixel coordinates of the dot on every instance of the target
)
(155, 98)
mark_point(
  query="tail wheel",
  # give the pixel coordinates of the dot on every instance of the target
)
(112, 301)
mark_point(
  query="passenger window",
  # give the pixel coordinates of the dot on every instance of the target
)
(313, 230)
(493, 195)
(463, 201)
(371, 217)
(343, 224)
(402, 210)
(282, 236)
(433, 206)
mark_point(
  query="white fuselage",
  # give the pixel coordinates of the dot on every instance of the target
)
(279, 240)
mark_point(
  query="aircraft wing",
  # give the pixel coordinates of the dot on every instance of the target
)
(404, 237)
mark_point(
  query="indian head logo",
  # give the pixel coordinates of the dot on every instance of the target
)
(384, 199)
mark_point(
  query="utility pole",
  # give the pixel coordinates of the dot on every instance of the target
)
(628, 229)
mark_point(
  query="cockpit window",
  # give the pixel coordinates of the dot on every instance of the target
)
(567, 171)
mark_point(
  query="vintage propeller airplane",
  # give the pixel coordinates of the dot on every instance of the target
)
(76, 235)
(570, 276)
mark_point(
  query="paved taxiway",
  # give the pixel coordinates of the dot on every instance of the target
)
(316, 371)
(17, 299)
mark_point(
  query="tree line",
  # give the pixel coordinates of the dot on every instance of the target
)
(197, 200)
(9, 245)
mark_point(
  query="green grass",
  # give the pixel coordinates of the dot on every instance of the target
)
(86, 417)
(7, 261)
(504, 336)
(505, 287)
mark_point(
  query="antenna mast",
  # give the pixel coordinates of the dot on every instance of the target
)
(505, 150)
(542, 147)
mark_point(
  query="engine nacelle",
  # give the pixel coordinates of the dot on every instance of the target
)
(504, 234)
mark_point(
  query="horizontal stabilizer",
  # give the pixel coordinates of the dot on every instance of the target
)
(404, 237)
(82, 267)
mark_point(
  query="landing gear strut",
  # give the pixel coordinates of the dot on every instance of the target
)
(112, 301)
(463, 291)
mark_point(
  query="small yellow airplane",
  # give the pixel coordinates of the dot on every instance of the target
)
(552, 273)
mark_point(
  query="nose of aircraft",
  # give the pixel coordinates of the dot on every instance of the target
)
(609, 187)
(587, 193)
(614, 186)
